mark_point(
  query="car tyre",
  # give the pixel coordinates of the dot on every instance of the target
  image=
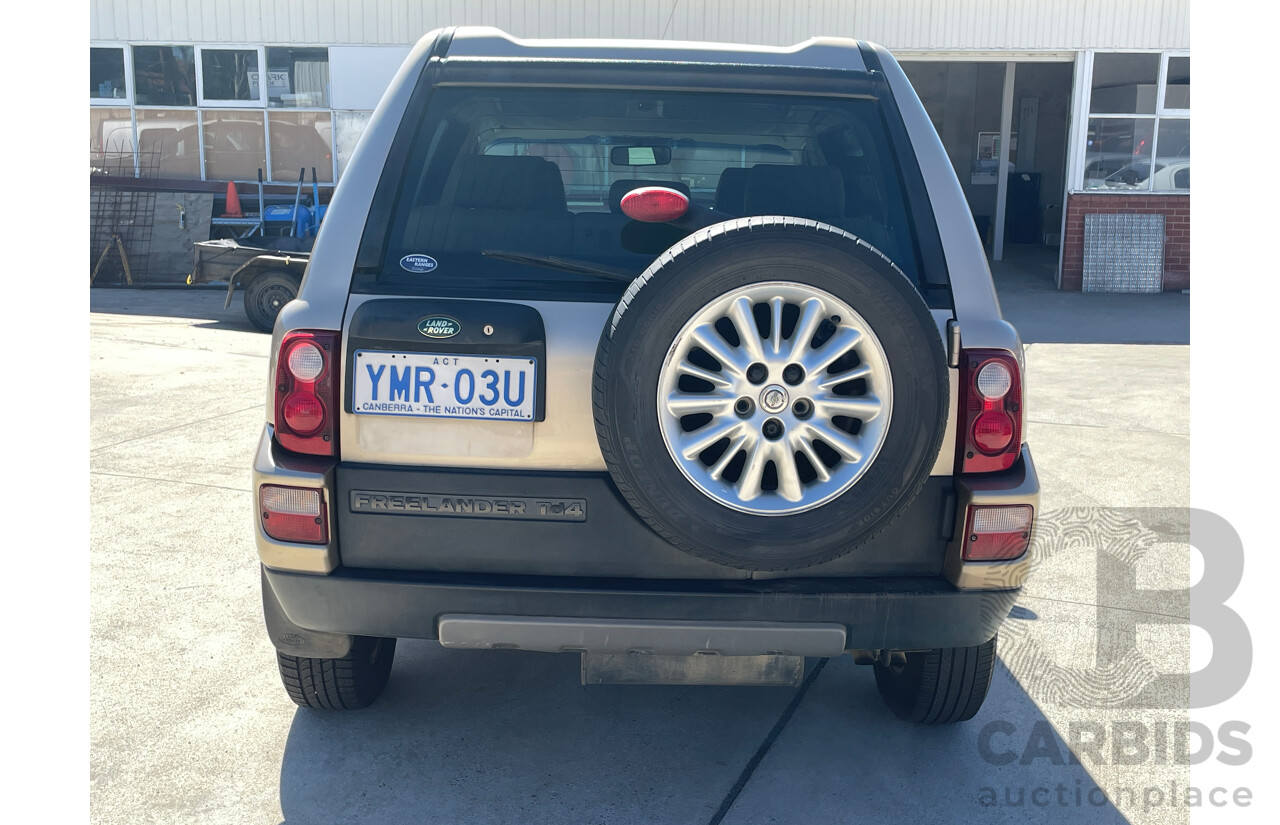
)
(939, 686)
(742, 260)
(352, 682)
(266, 295)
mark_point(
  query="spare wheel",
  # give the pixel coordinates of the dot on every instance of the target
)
(770, 393)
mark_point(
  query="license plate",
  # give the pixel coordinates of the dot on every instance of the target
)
(437, 385)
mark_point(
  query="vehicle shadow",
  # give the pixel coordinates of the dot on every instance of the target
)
(500, 736)
(200, 306)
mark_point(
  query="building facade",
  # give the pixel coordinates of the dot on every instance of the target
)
(1068, 121)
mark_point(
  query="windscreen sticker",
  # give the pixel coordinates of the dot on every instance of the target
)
(417, 263)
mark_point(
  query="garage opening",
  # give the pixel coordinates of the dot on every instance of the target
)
(966, 101)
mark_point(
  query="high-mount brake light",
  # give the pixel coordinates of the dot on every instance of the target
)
(306, 392)
(654, 204)
(990, 437)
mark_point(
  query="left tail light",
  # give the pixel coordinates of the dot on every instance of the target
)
(306, 397)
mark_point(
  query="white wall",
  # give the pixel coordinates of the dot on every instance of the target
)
(359, 74)
(937, 25)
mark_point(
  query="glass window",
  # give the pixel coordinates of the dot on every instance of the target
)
(229, 74)
(349, 127)
(164, 75)
(297, 78)
(575, 153)
(1118, 153)
(1173, 156)
(106, 74)
(1118, 150)
(1177, 90)
(110, 141)
(301, 140)
(234, 145)
(168, 144)
(1125, 84)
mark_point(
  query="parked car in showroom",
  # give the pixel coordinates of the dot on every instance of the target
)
(1166, 175)
(682, 357)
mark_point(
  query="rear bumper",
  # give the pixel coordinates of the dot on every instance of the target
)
(314, 604)
(897, 613)
(911, 546)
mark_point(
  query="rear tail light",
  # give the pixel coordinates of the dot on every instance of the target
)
(994, 533)
(306, 397)
(304, 413)
(991, 411)
(293, 514)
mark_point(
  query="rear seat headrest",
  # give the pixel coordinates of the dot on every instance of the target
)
(814, 192)
(620, 188)
(509, 182)
(731, 190)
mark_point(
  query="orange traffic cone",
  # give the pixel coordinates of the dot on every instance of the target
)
(233, 203)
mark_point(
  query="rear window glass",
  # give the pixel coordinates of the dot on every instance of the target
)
(520, 189)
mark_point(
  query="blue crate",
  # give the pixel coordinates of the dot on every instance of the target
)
(283, 213)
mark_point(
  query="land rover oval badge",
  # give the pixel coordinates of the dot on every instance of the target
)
(439, 326)
(417, 263)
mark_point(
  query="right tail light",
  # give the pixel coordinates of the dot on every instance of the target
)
(996, 533)
(293, 514)
(991, 411)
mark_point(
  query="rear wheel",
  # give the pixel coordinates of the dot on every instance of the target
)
(354, 681)
(938, 686)
(266, 295)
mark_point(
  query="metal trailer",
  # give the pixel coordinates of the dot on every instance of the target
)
(270, 268)
(270, 273)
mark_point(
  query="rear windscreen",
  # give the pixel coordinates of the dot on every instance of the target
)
(520, 190)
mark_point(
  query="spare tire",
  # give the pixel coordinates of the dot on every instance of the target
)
(770, 393)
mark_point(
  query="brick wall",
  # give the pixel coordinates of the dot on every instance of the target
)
(1177, 233)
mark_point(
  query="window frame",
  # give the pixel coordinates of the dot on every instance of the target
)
(133, 91)
(333, 113)
(1161, 111)
(217, 103)
(266, 146)
(133, 130)
(333, 150)
(328, 91)
(137, 148)
(1081, 150)
(126, 54)
(203, 105)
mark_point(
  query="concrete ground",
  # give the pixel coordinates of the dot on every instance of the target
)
(190, 724)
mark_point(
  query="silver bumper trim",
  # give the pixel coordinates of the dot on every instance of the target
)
(549, 634)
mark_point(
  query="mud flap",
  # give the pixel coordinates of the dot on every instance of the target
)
(290, 639)
(698, 669)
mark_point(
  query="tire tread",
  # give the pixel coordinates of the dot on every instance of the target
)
(947, 685)
(352, 682)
